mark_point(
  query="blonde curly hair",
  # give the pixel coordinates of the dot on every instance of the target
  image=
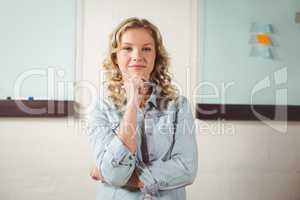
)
(160, 75)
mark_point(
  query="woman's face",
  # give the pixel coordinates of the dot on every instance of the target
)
(136, 55)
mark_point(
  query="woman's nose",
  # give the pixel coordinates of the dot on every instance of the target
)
(137, 55)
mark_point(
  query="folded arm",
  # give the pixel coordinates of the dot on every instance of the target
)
(113, 156)
(180, 170)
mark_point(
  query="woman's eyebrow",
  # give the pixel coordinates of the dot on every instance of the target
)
(128, 43)
(148, 44)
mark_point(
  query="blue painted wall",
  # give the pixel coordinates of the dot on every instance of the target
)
(225, 35)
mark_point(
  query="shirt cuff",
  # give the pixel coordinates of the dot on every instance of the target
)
(150, 184)
(120, 154)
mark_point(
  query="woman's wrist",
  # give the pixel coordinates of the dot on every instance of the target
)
(128, 141)
(132, 103)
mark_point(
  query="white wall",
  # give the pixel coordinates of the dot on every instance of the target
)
(45, 159)
(50, 158)
(252, 162)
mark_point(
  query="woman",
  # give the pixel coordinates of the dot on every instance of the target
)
(142, 134)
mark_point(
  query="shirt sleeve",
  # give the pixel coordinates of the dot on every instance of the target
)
(181, 169)
(114, 161)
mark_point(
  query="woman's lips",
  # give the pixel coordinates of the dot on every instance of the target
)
(136, 66)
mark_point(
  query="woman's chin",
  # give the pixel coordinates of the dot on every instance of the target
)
(138, 74)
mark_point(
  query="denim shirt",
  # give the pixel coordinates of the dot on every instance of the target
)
(171, 144)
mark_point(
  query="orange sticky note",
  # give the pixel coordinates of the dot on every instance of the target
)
(262, 38)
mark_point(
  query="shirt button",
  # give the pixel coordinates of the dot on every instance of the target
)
(130, 157)
(114, 163)
(163, 183)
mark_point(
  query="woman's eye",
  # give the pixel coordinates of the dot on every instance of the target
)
(146, 49)
(127, 48)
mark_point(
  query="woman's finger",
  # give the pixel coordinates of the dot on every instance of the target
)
(94, 174)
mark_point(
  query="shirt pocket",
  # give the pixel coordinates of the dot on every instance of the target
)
(162, 137)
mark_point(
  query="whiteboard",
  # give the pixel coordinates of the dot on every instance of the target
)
(37, 49)
(228, 73)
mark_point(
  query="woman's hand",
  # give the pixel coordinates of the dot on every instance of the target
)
(95, 174)
(134, 181)
(133, 87)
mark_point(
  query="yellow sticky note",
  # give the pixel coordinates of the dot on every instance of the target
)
(262, 38)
